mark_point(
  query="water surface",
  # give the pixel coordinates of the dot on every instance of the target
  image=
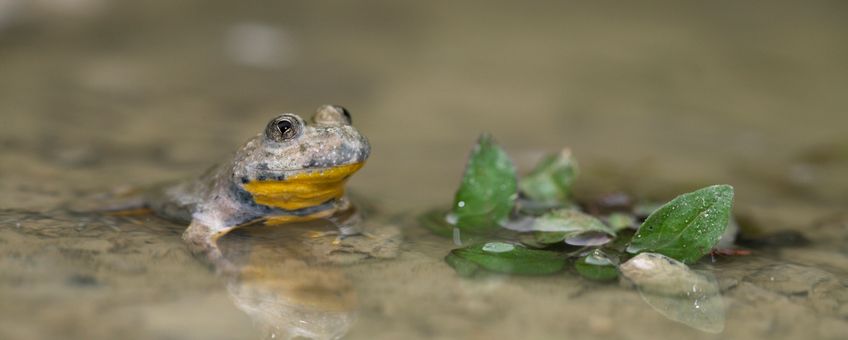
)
(654, 100)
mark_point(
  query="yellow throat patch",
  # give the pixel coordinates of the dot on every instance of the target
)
(303, 190)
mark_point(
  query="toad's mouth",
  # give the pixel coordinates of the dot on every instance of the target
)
(304, 189)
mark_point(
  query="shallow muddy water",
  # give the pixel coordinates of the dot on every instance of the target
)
(653, 99)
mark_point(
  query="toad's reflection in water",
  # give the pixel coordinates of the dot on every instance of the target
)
(677, 292)
(291, 299)
(290, 281)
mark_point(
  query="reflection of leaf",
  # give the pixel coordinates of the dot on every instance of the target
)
(702, 312)
(550, 182)
(506, 258)
(688, 227)
(596, 266)
(566, 224)
(677, 292)
(488, 189)
(435, 221)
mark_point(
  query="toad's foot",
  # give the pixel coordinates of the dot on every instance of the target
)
(203, 240)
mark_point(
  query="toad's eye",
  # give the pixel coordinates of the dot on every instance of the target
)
(283, 128)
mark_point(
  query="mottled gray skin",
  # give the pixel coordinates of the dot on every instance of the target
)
(216, 202)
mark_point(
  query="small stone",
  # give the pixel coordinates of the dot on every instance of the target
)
(663, 275)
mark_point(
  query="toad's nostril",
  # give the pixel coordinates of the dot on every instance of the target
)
(345, 113)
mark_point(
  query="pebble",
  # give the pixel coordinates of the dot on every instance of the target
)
(663, 275)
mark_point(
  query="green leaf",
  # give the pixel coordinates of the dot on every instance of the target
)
(688, 227)
(560, 225)
(597, 266)
(551, 180)
(488, 189)
(462, 266)
(502, 257)
(529, 239)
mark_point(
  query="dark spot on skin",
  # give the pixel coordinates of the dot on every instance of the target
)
(280, 177)
(244, 180)
(244, 197)
(261, 177)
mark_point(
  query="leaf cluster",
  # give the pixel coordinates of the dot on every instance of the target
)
(534, 225)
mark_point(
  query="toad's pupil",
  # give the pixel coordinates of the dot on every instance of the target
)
(284, 127)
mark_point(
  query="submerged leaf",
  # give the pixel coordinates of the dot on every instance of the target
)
(597, 266)
(436, 221)
(502, 257)
(688, 227)
(551, 181)
(488, 189)
(570, 220)
(619, 244)
(462, 266)
(570, 225)
(589, 239)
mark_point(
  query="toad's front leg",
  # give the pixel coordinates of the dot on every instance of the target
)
(202, 239)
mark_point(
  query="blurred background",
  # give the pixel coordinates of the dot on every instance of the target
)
(654, 98)
(658, 92)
